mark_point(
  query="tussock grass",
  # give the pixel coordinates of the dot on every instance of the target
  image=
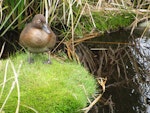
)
(15, 14)
(62, 87)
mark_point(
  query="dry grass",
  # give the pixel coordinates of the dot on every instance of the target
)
(69, 13)
(15, 83)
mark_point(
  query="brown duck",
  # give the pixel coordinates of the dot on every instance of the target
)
(38, 37)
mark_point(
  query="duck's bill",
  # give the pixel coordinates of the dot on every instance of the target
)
(46, 29)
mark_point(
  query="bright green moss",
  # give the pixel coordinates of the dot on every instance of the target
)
(56, 88)
(105, 21)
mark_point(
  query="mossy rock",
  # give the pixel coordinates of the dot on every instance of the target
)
(62, 87)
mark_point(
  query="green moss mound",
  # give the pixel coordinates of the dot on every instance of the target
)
(105, 21)
(62, 87)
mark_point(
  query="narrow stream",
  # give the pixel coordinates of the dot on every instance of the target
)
(143, 56)
(134, 97)
(127, 69)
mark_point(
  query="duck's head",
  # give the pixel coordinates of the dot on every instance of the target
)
(39, 22)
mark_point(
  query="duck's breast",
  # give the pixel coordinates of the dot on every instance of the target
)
(52, 40)
(35, 38)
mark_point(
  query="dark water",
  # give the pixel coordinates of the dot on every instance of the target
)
(143, 45)
(131, 95)
(11, 43)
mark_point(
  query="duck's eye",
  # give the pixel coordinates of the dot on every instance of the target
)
(38, 21)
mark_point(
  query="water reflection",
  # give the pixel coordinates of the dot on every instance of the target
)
(126, 63)
(143, 56)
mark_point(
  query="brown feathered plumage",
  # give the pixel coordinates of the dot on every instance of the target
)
(37, 36)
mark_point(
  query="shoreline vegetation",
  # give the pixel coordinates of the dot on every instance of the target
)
(73, 21)
(73, 16)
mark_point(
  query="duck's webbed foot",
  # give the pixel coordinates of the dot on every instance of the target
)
(47, 62)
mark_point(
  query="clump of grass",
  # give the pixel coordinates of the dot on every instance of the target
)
(62, 87)
(106, 21)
